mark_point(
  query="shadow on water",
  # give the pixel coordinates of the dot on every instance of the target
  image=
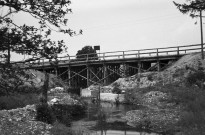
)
(107, 119)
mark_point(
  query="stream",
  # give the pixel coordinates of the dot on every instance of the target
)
(106, 119)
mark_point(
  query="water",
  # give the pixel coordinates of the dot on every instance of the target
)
(106, 119)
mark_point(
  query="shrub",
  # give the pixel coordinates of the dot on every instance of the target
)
(44, 113)
(101, 118)
(150, 77)
(117, 100)
(196, 78)
(62, 113)
(18, 101)
(60, 129)
(193, 116)
(132, 96)
(116, 90)
(66, 113)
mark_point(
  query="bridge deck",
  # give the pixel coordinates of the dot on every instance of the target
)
(168, 53)
(107, 67)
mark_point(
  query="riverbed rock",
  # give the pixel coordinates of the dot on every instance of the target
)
(154, 99)
(111, 97)
(21, 121)
(56, 90)
(153, 119)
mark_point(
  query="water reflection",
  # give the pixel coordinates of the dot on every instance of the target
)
(106, 119)
(117, 132)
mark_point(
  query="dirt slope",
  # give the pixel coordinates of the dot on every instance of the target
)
(175, 72)
(38, 78)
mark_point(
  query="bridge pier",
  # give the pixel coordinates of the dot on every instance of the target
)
(158, 66)
(88, 74)
(56, 71)
(105, 73)
(69, 76)
(139, 66)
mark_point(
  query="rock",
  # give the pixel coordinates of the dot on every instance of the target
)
(65, 100)
(54, 101)
(85, 92)
(20, 121)
(56, 90)
(153, 98)
(153, 119)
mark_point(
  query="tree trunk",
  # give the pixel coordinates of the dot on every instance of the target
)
(45, 88)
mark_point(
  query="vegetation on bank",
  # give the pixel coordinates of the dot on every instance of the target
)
(187, 98)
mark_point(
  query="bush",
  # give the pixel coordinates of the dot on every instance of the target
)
(18, 101)
(193, 116)
(196, 78)
(150, 77)
(116, 90)
(192, 99)
(132, 96)
(60, 129)
(62, 113)
(101, 118)
(44, 113)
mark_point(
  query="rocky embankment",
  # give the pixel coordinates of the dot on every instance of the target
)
(22, 121)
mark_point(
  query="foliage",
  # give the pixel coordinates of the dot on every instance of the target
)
(62, 113)
(116, 90)
(192, 103)
(102, 117)
(30, 40)
(132, 96)
(150, 77)
(33, 39)
(191, 6)
(10, 79)
(83, 53)
(18, 101)
(44, 113)
(117, 100)
(60, 129)
(193, 116)
(66, 113)
(196, 78)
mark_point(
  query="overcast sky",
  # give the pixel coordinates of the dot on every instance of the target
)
(127, 25)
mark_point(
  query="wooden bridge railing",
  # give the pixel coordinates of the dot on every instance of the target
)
(154, 52)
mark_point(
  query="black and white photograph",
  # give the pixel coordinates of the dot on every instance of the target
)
(102, 67)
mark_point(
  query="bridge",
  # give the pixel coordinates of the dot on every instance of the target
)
(107, 67)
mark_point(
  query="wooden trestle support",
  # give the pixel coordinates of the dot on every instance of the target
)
(88, 74)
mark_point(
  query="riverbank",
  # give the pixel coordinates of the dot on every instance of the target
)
(174, 97)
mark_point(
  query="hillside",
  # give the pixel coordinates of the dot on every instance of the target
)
(174, 73)
(37, 78)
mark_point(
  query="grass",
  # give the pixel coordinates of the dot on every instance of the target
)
(61, 129)
(18, 101)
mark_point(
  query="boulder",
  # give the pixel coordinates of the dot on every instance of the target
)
(56, 90)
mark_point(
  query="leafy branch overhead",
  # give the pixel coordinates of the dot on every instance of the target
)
(30, 39)
(191, 7)
(34, 40)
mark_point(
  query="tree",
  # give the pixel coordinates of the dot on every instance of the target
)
(87, 52)
(191, 6)
(31, 40)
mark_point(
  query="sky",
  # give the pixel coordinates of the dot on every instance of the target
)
(120, 25)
